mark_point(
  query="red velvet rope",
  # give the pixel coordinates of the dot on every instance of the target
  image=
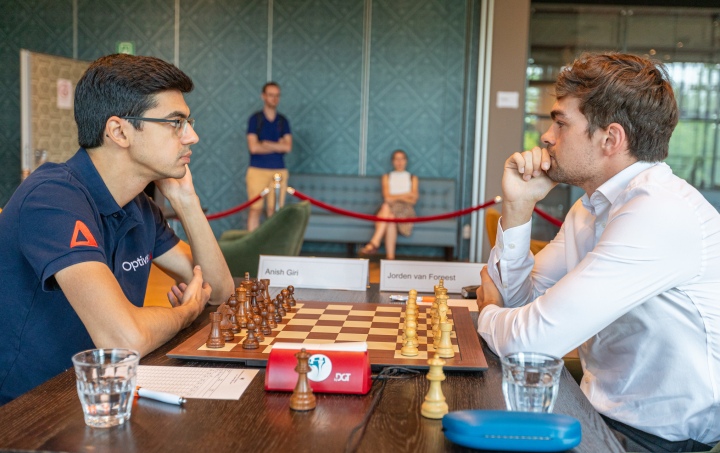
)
(220, 214)
(373, 218)
(558, 223)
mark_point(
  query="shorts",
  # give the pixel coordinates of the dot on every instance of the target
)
(259, 178)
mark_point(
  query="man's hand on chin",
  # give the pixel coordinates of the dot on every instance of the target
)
(488, 294)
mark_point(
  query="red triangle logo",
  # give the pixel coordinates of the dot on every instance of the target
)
(82, 236)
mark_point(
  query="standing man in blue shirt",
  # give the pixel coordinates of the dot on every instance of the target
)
(77, 239)
(269, 139)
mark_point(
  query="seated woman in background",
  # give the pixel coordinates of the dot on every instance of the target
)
(400, 192)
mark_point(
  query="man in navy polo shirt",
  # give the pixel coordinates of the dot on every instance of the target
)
(269, 139)
(77, 239)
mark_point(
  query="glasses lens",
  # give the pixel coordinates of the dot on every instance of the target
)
(182, 125)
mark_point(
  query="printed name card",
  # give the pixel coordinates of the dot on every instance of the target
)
(424, 275)
(314, 272)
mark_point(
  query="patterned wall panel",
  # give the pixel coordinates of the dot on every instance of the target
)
(223, 47)
(40, 26)
(416, 85)
(53, 129)
(317, 60)
(148, 23)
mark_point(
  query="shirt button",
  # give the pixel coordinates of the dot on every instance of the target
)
(505, 285)
(602, 224)
(511, 246)
(115, 215)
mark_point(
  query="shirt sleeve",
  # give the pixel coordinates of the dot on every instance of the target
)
(286, 127)
(59, 227)
(252, 124)
(630, 264)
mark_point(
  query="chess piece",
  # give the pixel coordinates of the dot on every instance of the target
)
(250, 342)
(291, 291)
(289, 295)
(410, 311)
(246, 282)
(257, 319)
(264, 326)
(241, 313)
(226, 328)
(409, 349)
(281, 298)
(234, 325)
(302, 398)
(411, 324)
(248, 307)
(260, 293)
(266, 283)
(445, 347)
(253, 299)
(279, 311)
(215, 340)
(271, 316)
(434, 405)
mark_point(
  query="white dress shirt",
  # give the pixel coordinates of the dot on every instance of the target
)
(633, 279)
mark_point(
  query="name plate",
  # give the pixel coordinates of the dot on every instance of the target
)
(315, 273)
(422, 276)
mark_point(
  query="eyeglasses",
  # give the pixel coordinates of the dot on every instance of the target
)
(179, 125)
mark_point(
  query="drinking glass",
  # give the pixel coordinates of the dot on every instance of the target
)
(105, 384)
(531, 381)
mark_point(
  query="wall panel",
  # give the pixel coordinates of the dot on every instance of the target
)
(317, 60)
(40, 26)
(416, 85)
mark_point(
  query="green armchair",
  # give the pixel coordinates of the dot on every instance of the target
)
(282, 234)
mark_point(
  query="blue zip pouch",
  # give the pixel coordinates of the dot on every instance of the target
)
(512, 431)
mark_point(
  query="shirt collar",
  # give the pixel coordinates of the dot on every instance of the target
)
(83, 168)
(607, 193)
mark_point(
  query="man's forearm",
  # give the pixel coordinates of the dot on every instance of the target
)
(205, 249)
(267, 147)
(516, 214)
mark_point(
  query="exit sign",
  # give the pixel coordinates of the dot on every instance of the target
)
(127, 47)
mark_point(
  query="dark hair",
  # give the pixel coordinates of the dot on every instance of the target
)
(392, 156)
(122, 85)
(270, 84)
(632, 91)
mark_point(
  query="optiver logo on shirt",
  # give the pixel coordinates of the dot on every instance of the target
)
(139, 262)
(82, 236)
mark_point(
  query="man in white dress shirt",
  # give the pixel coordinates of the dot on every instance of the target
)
(633, 276)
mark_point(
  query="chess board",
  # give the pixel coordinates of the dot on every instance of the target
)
(380, 325)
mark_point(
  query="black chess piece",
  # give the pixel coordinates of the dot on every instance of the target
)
(215, 340)
(250, 342)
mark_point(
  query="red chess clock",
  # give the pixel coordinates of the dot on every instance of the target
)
(334, 368)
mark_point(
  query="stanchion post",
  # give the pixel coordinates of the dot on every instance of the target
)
(277, 178)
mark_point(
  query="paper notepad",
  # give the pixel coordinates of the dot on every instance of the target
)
(192, 382)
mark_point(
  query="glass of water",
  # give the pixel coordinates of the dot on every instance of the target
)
(105, 384)
(531, 381)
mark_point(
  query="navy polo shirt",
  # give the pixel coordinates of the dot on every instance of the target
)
(64, 214)
(271, 131)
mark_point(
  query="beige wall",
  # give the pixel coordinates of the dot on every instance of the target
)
(509, 61)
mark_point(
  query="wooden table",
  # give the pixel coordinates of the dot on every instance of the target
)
(50, 417)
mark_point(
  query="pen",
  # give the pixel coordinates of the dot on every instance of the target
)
(402, 298)
(160, 396)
